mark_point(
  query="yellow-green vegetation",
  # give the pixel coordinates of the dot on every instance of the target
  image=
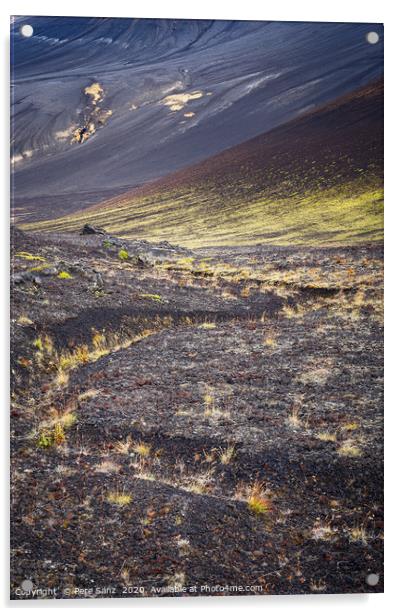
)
(64, 275)
(53, 430)
(45, 439)
(52, 436)
(40, 268)
(346, 214)
(123, 254)
(142, 449)
(58, 434)
(352, 425)
(258, 501)
(185, 261)
(38, 344)
(286, 187)
(153, 296)
(28, 256)
(210, 407)
(44, 349)
(61, 363)
(121, 499)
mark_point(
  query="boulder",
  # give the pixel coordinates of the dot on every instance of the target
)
(142, 261)
(91, 230)
(24, 277)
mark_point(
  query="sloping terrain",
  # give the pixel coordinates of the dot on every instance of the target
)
(102, 105)
(184, 419)
(317, 180)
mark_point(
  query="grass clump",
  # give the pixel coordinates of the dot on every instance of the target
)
(38, 344)
(322, 532)
(123, 254)
(142, 449)
(29, 257)
(358, 534)
(258, 501)
(45, 440)
(64, 275)
(121, 499)
(54, 436)
(294, 419)
(39, 268)
(226, 455)
(349, 449)
(59, 434)
(24, 320)
(53, 430)
(153, 296)
(207, 325)
(68, 420)
(327, 437)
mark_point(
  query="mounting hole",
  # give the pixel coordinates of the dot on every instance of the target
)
(26, 30)
(372, 579)
(27, 585)
(372, 38)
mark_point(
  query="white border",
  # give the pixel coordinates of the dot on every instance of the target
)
(294, 10)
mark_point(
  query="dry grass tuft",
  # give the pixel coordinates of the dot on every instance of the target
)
(318, 586)
(207, 325)
(142, 449)
(24, 320)
(322, 532)
(349, 449)
(124, 447)
(107, 467)
(226, 455)
(256, 495)
(328, 437)
(358, 534)
(121, 499)
(88, 394)
(293, 418)
(258, 501)
(270, 342)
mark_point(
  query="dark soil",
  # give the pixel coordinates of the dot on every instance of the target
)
(219, 375)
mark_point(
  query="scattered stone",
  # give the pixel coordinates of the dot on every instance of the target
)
(92, 230)
(142, 261)
(24, 277)
(99, 282)
(49, 271)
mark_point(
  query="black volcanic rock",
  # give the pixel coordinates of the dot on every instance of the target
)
(91, 230)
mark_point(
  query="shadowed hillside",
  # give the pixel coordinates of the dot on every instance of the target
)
(316, 180)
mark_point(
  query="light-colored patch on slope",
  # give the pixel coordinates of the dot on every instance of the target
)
(176, 102)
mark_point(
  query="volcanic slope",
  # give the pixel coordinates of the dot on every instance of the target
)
(100, 106)
(317, 180)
